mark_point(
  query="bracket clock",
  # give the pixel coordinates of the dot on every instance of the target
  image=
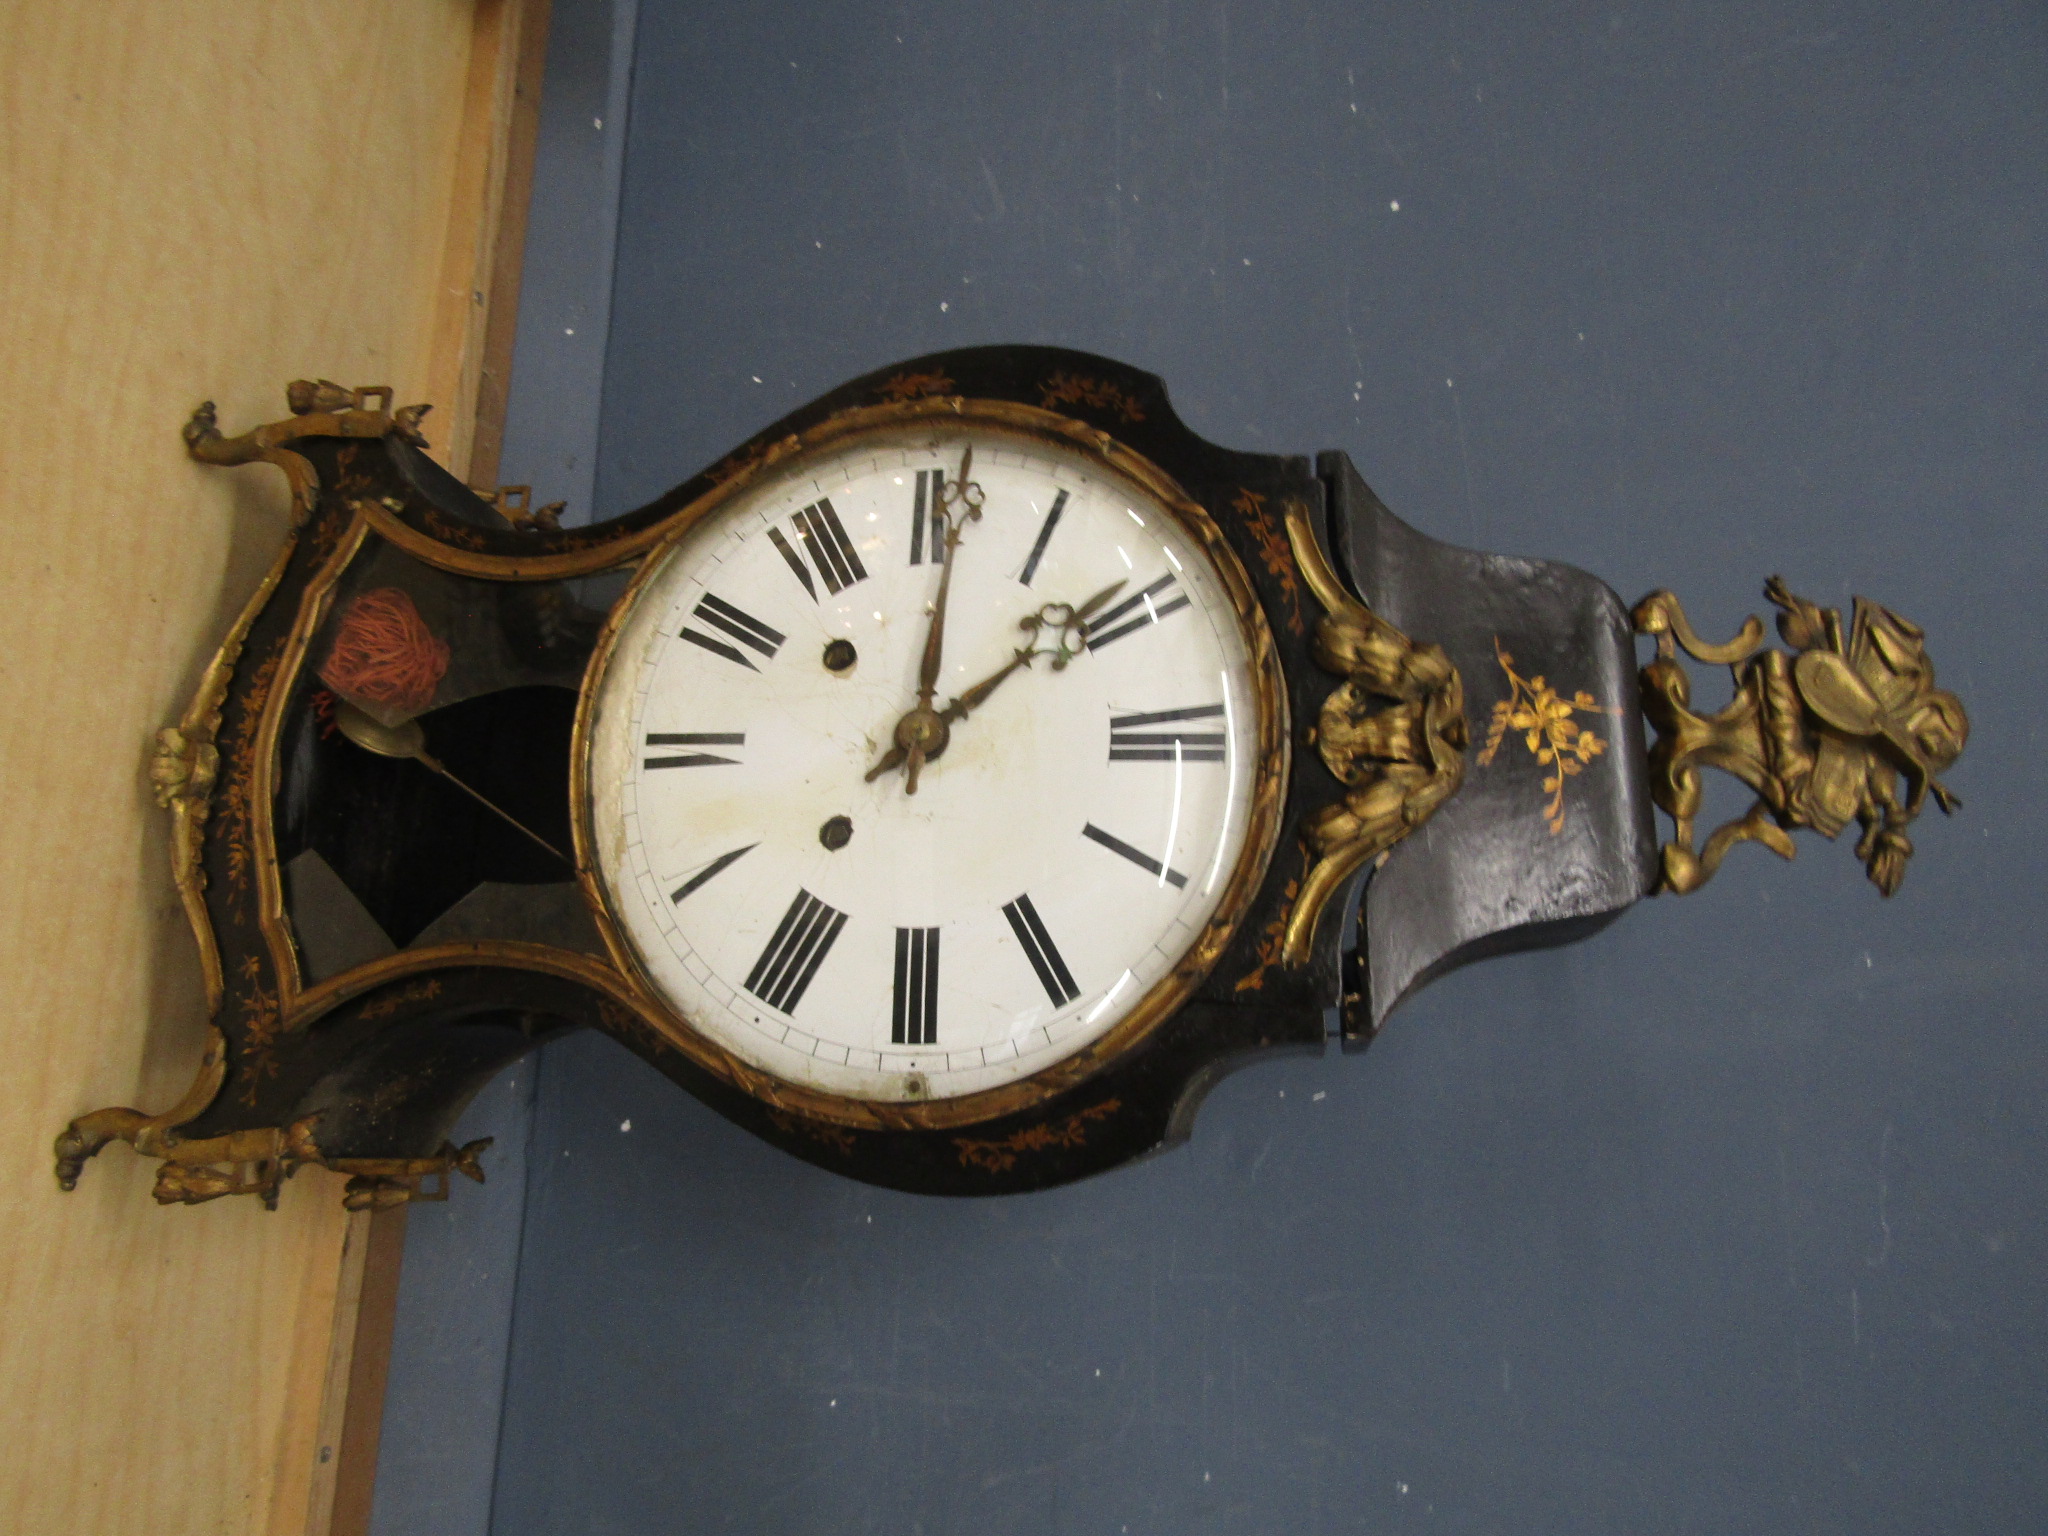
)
(948, 785)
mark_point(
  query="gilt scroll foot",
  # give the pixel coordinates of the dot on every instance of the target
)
(257, 1162)
(81, 1141)
(376, 1184)
(251, 1162)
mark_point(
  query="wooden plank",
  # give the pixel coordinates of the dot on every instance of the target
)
(508, 251)
(365, 1349)
(476, 320)
(478, 305)
(290, 1515)
(204, 200)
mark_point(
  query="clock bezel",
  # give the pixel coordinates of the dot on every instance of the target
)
(1166, 996)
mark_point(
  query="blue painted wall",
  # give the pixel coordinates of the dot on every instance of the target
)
(1728, 1220)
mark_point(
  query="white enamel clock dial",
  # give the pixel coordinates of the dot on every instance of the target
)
(1059, 856)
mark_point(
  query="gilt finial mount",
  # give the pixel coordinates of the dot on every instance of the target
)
(1825, 734)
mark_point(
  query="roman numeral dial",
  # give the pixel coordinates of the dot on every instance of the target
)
(1039, 949)
(719, 615)
(1083, 689)
(1045, 532)
(1168, 736)
(660, 739)
(802, 940)
(1143, 860)
(1135, 613)
(709, 872)
(914, 1014)
(927, 519)
(826, 549)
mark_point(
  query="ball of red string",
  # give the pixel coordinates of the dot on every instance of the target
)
(384, 654)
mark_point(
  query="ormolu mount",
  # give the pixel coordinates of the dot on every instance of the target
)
(1822, 737)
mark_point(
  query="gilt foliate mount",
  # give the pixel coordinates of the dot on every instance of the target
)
(948, 785)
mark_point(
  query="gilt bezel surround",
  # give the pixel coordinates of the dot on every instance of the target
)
(1028, 424)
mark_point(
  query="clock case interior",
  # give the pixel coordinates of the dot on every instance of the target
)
(379, 945)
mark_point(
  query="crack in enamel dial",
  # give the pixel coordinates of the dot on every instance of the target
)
(1087, 755)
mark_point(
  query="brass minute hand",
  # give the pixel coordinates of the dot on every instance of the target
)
(956, 494)
(921, 734)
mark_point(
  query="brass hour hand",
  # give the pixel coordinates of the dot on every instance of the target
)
(1069, 627)
(1069, 634)
(974, 697)
(922, 734)
(1068, 624)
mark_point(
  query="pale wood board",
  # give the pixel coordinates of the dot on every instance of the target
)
(197, 200)
(478, 308)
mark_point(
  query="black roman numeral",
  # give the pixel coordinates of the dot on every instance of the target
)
(1039, 949)
(802, 941)
(704, 874)
(693, 739)
(738, 623)
(825, 541)
(927, 516)
(1144, 861)
(914, 1018)
(1115, 624)
(1132, 741)
(1052, 521)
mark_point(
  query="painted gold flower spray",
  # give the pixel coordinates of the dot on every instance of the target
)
(1549, 730)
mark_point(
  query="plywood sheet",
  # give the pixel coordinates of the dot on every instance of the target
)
(197, 200)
